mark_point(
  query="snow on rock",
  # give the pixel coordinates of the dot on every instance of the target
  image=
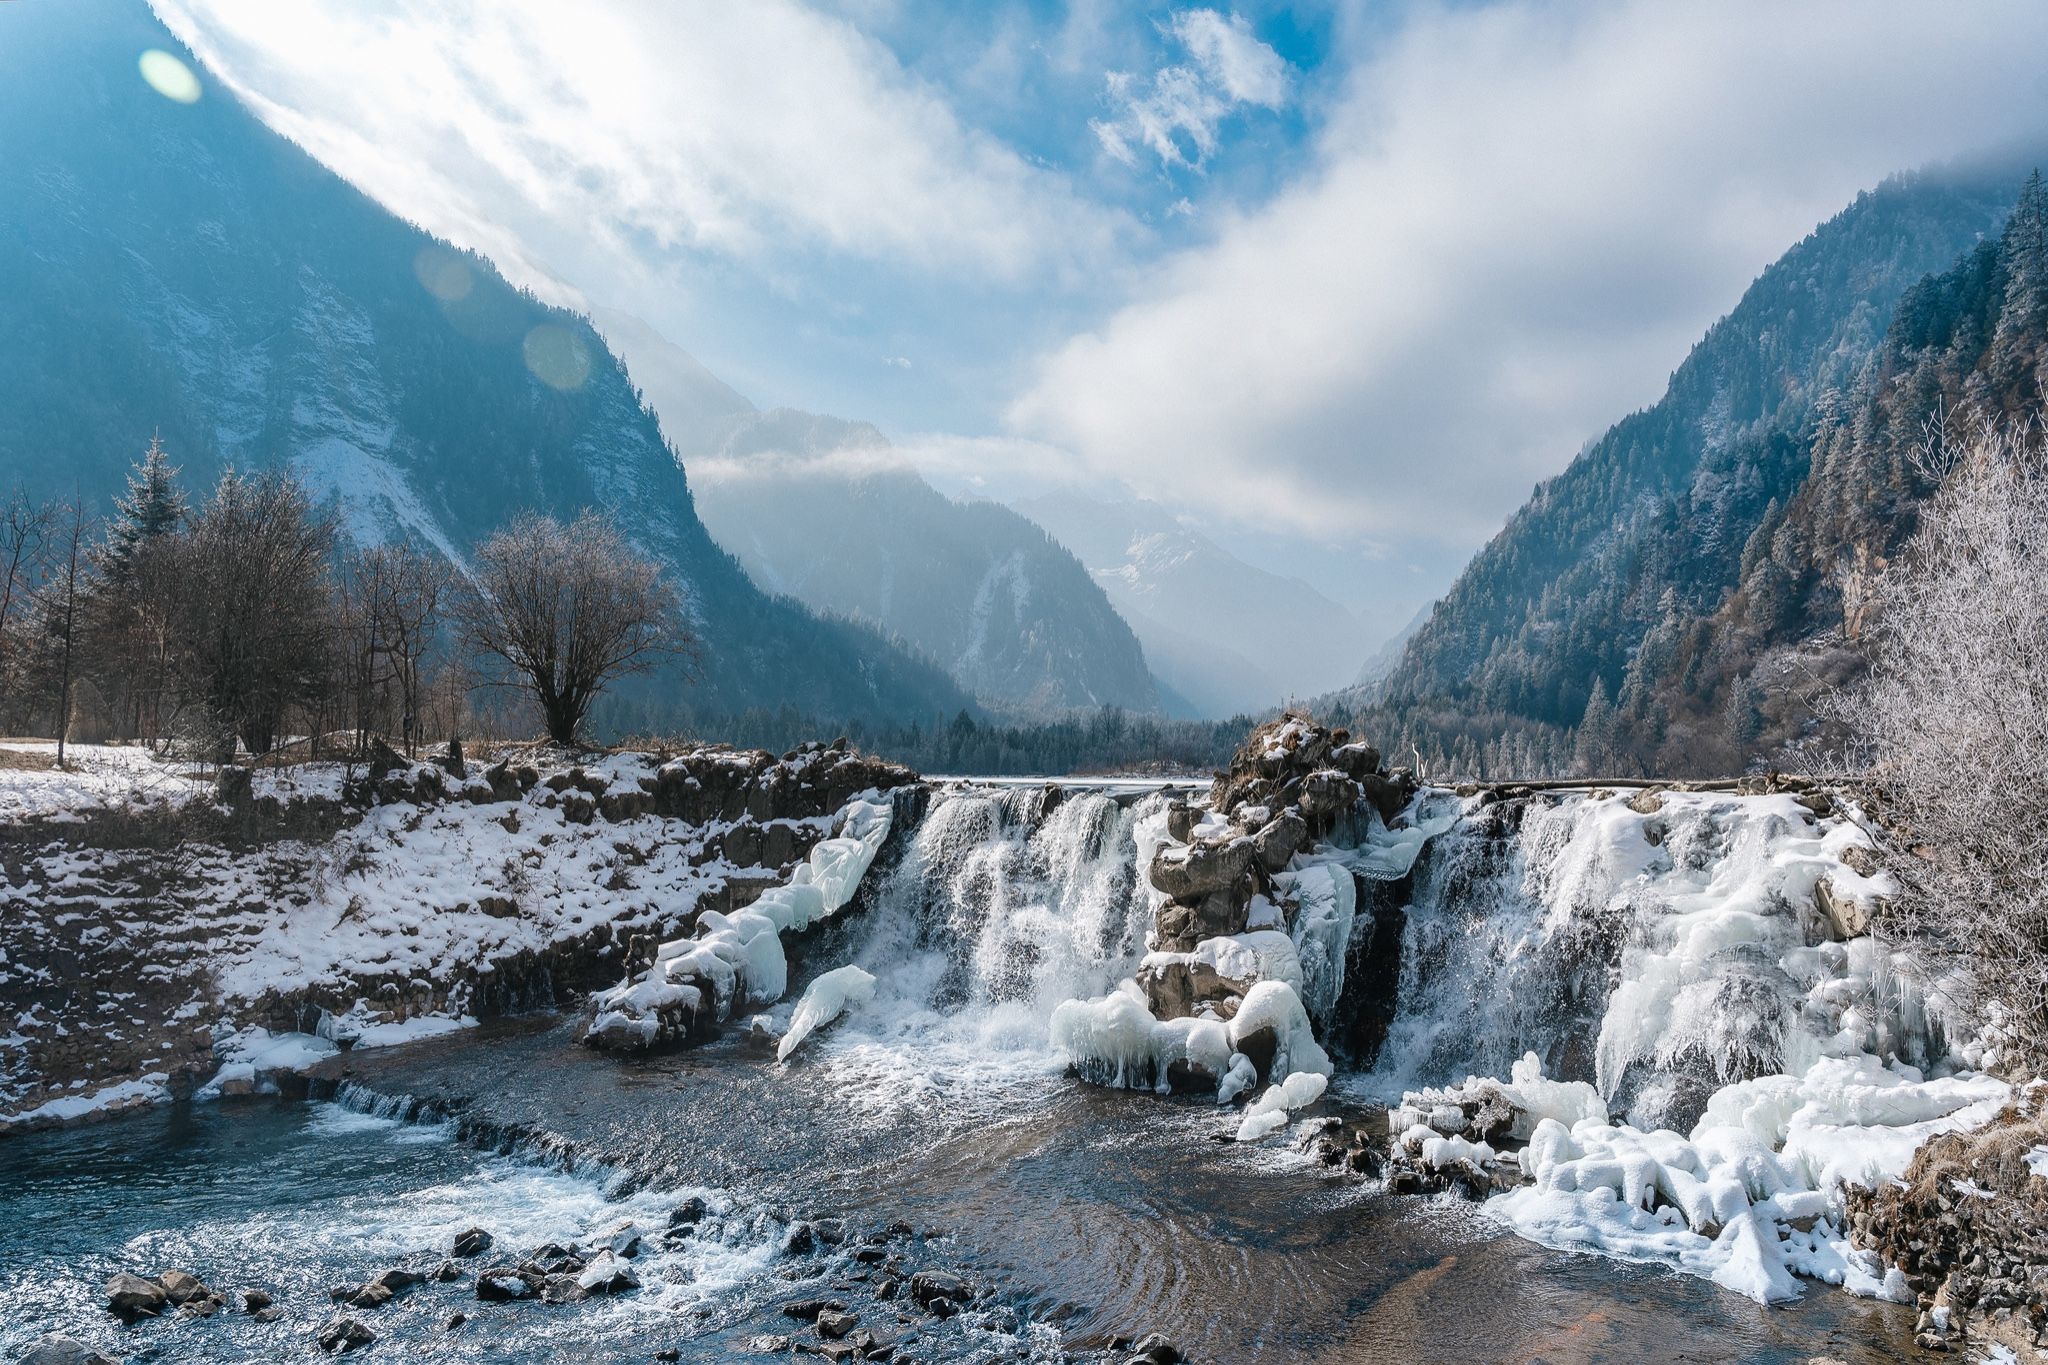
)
(1752, 1199)
(736, 960)
(1116, 1041)
(1268, 1113)
(823, 1001)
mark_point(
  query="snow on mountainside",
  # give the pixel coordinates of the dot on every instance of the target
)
(182, 268)
(1183, 594)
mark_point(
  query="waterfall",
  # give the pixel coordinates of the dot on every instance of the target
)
(1004, 902)
(1660, 952)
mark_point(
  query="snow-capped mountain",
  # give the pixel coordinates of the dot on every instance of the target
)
(179, 267)
(1226, 635)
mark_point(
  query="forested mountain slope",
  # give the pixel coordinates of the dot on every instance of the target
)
(178, 267)
(1605, 590)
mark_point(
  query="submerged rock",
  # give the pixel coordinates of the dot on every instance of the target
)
(60, 1350)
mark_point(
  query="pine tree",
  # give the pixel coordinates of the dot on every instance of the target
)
(2023, 259)
(154, 505)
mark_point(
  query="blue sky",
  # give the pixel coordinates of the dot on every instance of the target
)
(1338, 281)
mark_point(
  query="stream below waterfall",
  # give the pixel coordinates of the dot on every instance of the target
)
(939, 1104)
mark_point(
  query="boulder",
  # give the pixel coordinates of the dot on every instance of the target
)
(451, 761)
(1387, 795)
(833, 1325)
(369, 1296)
(1180, 990)
(1154, 1349)
(343, 1335)
(1188, 872)
(1181, 819)
(181, 1286)
(1326, 794)
(255, 1300)
(1279, 839)
(929, 1286)
(1179, 927)
(64, 1351)
(503, 1283)
(807, 1310)
(473, 1242)
(130, 1297)
(1846, 917)
(607, 1275)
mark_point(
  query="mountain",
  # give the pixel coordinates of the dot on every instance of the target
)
(1591, 590)
(972, 585)
(179, 267)
(1189, 599)
(817, 508)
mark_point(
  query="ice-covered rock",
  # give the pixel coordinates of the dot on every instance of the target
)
(823, 1001)
(736, 960)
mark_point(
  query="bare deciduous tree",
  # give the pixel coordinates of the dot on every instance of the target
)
(25, 526)
(392, 599)
(254, 605)
(568, 609)
(1952, 720)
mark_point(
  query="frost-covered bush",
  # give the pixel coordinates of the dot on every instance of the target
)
(1953, 723)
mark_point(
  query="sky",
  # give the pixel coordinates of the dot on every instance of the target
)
(1338, 281)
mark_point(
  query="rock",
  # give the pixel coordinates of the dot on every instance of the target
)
(607, 1275)
(802, 1240)
(255, 1300)
(370, 1296)
(1648, 801)
(927, 1286)
(343, 1335)
(1154, 1349)
(1181, 990)
(130, 1297)
(807, 1310)
(691, 1211)
(1327, 794)
(832, 1325)
(563, 1289)
(451, 761)
(447, 1272)
(267, 1314)
(384, 760)
(1189, 872)
(1180, 820)
(500, 1284)
(1279, 840)
(1846, 918)
(181, 1286)
(64, 1351)
(474, 1242)
(1387, 795)
(623, 1240)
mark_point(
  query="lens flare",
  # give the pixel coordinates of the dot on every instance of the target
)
(557, 357)
(444, 273)
(169, 77)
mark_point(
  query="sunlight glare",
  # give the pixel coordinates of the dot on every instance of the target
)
(557, 356)
(169, 76)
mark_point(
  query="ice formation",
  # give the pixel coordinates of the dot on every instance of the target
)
(1752, 1198)
(823, 1001)
(737, 960)
(1115, 1040)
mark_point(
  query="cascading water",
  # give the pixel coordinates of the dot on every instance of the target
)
(1660, 952)
(1004, 903)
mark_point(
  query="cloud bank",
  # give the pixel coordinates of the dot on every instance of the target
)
(1519, 218)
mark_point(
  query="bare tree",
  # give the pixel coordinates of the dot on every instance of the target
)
(392, 599)
(66, 587)
(568, 609)
(25, 526)
(1952, 720)
(254, 606)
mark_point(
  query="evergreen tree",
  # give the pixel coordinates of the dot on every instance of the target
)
(153, 506)
(2014, 361)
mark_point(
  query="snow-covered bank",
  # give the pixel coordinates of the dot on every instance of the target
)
(415, 898)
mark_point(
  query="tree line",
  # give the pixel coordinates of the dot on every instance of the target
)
(232, 625)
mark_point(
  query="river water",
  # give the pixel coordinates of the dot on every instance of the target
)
(1087, 1213)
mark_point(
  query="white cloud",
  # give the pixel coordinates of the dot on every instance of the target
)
(1518, 220)
(756, 133)
(1181, 106)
